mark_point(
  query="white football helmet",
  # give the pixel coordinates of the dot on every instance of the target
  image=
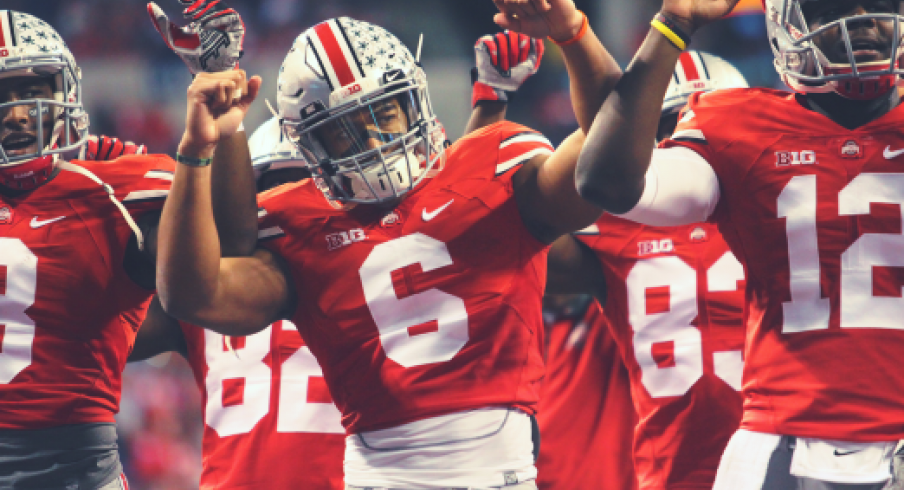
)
(29, 47)
(805, 68)
(345, 91)
(270, 150)
(699, 72)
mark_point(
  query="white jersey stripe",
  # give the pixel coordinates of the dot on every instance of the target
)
(270, 232)
(689, 134)
(514, 162)
(159, 174)
(261, 213)
(524, 138)
(143, 195)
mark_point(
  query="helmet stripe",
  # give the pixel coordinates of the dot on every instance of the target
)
(4, 28)
(687, 64)
(338, 64)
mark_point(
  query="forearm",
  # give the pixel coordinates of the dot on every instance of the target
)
(486, 112)
(233, 190)
(188, 245)
(592, 74)
(612, 164)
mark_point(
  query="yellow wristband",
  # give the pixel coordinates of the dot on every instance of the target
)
(675, 39)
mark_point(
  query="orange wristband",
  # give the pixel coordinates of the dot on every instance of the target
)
(577, 37)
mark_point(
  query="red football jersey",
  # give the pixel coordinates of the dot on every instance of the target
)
(269, 420)
(429, 308)
(586, 415)
(67, 307)
(813, 210)
(675, 306)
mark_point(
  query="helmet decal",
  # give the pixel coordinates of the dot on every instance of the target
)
(699, 72)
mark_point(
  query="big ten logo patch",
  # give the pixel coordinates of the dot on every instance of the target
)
(344, 238)
(786, 158)
(649, 247)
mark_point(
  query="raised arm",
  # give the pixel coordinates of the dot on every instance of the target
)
(233, 296)
(503, 62)
(545, 189)
(617, 153)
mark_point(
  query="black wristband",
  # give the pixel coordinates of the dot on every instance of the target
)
(675, 28)
(192, 161)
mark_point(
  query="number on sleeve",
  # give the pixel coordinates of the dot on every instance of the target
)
(426, 327)
(18, 281)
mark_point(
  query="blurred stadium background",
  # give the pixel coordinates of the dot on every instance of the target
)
(134, 89)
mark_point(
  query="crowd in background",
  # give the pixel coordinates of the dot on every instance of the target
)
(160, 419)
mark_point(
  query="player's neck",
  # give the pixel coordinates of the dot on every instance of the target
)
(849, 113)
(10, 192)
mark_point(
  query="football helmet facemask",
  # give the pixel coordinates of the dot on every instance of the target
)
(34, 49)
(354, 100)
(805, 68)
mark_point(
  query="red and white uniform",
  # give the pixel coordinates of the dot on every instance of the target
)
(68, 310)
(675, 301)
(586, 415)
(813, 210)
(427, 309)
(269, 420)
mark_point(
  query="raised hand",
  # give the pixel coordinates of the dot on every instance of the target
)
(109, 148)
(213, 40)
(557, 19)
(694, 14)
(217, 103)
(504, 61)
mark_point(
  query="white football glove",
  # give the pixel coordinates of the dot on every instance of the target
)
(504, 61)
(211, 43)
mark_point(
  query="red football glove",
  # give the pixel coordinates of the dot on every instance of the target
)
(211, 43)
(102, 148)
(504, 61)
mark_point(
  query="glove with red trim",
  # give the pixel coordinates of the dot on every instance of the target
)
(101, 148)
(212, 42)
(504, 61)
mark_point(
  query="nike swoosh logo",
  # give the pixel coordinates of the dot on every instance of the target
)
(35, 223)
(845, 453)
(888, 154)
(427, 216)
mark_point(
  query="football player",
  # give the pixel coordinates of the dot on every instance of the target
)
(585, 411)
(805, 188)
(76, 266)
(586, 415)
(413, 271)
(72, 267)
(263, 394)
(674, 300)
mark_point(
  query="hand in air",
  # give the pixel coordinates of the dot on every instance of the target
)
(101, 148)
(504, 61)
(217, 103)
(557, 19)
(213, 40)
(694, 14)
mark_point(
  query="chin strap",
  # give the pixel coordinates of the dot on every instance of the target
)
(122, 209)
